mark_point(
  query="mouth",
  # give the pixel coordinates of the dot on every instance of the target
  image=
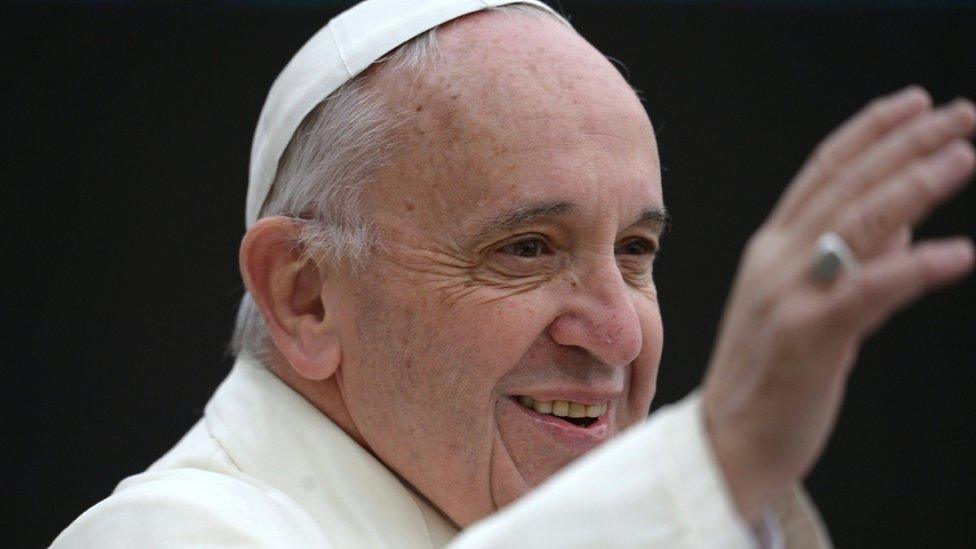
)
(575, 413)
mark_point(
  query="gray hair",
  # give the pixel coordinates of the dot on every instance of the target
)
(335, 151)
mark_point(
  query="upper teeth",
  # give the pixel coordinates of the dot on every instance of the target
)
(564, 408)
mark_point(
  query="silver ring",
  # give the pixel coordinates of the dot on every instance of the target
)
(832, 256)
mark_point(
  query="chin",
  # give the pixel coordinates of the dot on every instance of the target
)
(530, 448)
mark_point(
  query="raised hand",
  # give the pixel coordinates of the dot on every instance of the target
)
(788, 340)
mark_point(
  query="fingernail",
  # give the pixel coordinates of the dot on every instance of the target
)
(963, 114)
(949, 259)
(962, 122)
(913, 95)
(957, 160)
(958, 251)
(961, 101)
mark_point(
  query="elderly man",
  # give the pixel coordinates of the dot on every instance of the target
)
(453, 214)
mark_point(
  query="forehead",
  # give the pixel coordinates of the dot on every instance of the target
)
(515, 109)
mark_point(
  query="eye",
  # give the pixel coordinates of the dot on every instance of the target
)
(636, 246)
(530, 247)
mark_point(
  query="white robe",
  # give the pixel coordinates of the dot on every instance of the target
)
(265, 468)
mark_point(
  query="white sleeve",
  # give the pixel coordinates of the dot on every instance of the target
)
(769, 534)
(656, 485)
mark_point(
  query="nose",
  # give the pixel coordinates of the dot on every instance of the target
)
(600, 316)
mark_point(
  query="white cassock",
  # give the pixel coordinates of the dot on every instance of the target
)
(265, 468)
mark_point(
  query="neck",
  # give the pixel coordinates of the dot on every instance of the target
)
(324, 394)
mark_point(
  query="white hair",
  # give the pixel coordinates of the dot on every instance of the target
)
(335, 151)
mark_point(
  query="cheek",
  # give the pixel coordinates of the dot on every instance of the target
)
(489, 341)
(643, 375)
(421, 383)
(415, 358)
(492, 328)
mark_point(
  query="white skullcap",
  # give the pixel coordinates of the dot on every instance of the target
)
(346, 46)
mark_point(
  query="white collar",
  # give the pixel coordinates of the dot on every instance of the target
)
(274, 434)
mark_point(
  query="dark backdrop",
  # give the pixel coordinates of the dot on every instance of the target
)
(126, 134)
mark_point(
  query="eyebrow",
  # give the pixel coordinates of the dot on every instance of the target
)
(522, 215)
(656, 216)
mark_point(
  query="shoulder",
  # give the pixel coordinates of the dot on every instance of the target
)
(192, 507)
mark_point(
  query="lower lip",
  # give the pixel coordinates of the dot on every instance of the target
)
(572, 436)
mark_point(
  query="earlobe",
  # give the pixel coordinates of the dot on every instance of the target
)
(324, 362)
(289, 290)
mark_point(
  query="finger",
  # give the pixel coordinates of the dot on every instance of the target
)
(897, 242)
(921, 136)
(908, 198)
(861, 304)
(874, 120)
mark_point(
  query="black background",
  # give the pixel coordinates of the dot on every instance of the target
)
(126, 135)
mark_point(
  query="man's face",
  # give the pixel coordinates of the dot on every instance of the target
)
(517, 225)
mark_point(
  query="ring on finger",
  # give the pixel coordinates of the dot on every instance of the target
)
(831, 257)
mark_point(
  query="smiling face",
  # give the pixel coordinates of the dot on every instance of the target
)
(517, 225)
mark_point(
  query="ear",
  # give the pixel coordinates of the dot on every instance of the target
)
(288, 290)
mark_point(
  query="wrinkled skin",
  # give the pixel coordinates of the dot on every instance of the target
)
(449, 320)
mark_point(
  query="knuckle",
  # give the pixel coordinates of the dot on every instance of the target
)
(928, 135)
(756, 265)
(848, 222)
(921, 185)
(875, 223)
(863, 296)
(824, 157)
(878, 115)
(875, 104)
(761, 255)
(757, 243)
(767, 299)
(917, 140)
